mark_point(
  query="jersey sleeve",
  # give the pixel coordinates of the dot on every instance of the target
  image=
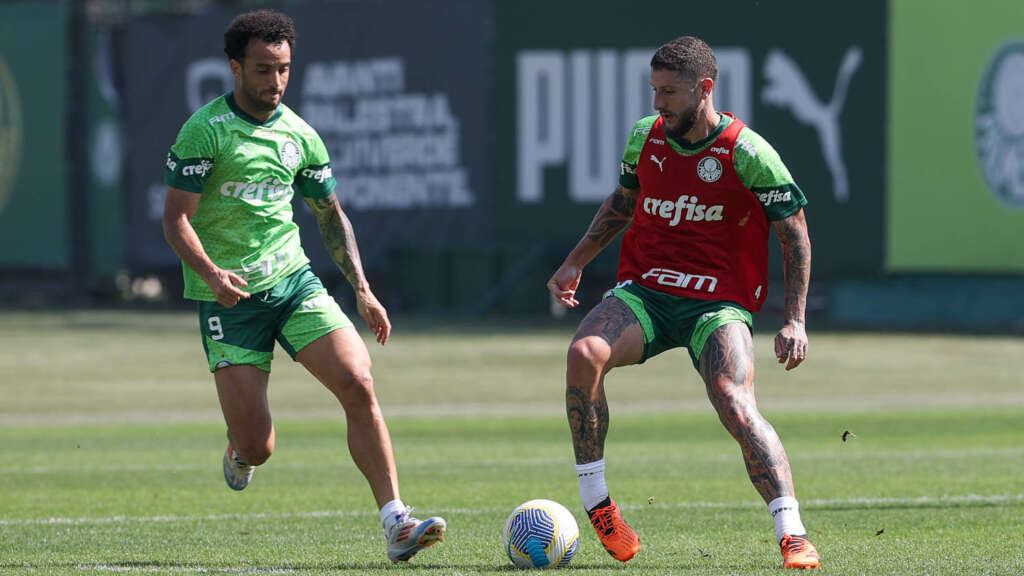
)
(315, 179)
(191, 158)
(631, 157)
(761, 170)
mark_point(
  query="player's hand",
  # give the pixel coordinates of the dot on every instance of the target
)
(563, 284)
(374, 314)
(224, 285)
(791, 344)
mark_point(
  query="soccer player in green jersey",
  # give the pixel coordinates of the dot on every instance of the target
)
(231, 175)
(699, 192)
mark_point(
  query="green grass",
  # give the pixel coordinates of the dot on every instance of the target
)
(110, 445)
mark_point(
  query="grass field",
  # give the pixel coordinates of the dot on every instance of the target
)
(110, 446)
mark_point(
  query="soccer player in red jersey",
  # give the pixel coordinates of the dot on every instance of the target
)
(698, 191)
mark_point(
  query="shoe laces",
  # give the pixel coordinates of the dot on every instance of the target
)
(604, 520)
(795, 544)
(401, 520)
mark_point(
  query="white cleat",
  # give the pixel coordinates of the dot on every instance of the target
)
(236, 472)
(410, 535)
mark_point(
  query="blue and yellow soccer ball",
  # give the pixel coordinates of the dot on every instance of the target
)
(541, 534)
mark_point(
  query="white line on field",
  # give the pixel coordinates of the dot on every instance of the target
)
(342, 462)
(174, 518)
(968, 499)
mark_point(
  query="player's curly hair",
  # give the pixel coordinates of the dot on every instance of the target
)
(689, 56)
(270, 26)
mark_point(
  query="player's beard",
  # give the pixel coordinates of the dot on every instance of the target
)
(260, 99)
(263, 100)
(687, 120)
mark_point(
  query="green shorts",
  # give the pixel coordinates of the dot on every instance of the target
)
(295, 312)
(671, 321)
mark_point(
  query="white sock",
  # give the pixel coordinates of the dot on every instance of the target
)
(391, 513)
(592, 487)
(786, 512)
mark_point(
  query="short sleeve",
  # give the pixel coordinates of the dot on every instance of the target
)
(761, 170)
(315, 179)
(631, 156)
(191, 158)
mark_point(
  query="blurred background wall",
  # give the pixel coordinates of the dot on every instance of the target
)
(473, 140)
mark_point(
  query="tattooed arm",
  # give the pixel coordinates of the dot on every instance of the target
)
(791, 342)
(614, 215)
(340, 240)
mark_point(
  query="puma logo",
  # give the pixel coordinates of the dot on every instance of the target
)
(787, 87)
(659, 162)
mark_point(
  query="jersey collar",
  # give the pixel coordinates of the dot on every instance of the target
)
(723, 123)
(230, 99)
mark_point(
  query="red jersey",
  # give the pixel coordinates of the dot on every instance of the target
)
(698, 231)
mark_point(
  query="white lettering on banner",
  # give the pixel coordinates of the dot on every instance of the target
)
(786, 86)
(406, 190)
(354, 78)
(391, 152)
(390, 149)
(596, 137)
(667, 277)
(591, 137)
(540, 110)
(683, 208)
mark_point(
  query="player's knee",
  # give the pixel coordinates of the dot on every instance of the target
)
(256, 451)
(356, 387)
(737, 413)
(588, 354)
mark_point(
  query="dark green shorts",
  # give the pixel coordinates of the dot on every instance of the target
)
(672, 321)
(295, 312)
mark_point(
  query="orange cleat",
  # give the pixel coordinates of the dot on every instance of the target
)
(798, 552)
(616, 536)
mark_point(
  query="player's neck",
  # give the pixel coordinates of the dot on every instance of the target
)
(707, 122)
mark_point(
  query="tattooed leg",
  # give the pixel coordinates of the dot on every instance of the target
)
(609, 336)
(727, 367)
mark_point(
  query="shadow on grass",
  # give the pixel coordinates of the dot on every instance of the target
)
(164, 567)
(171, 567)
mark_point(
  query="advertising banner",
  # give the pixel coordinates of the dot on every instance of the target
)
(105, 156)
(34, 216)
(809, 77)
(399, 104)
(956, 137)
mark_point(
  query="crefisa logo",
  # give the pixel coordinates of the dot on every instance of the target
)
(999, 123)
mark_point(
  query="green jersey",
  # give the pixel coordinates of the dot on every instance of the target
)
(246, 172)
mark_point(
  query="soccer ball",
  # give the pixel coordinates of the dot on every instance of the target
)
(541, 534)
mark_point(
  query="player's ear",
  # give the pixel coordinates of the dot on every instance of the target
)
(236, 68)
(706, 85)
